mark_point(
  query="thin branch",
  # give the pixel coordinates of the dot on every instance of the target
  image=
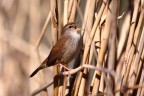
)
(124, 89)
(121, 16)
(43, 30)
(130, 88)
(73, 71)
(42, 88)
(79, 11)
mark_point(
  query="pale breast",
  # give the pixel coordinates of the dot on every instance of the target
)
(71, 47)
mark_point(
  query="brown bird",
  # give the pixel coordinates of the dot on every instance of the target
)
(65, 48)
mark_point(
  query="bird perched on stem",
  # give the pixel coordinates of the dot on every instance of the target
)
(65, 48)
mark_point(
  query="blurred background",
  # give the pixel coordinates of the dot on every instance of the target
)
(21, 22)
(21, 25)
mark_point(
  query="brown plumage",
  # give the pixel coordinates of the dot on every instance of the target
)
(64, 49)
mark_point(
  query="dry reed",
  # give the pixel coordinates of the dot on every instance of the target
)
(111, 61)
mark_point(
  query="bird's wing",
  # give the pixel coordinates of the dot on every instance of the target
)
(56, 52)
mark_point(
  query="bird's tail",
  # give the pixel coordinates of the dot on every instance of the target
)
(39, 68)
(43, 65)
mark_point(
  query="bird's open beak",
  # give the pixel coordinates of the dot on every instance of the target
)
(78, 29)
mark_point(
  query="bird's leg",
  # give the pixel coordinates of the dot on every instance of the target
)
(64, 67)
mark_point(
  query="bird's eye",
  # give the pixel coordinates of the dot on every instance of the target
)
(70, 26)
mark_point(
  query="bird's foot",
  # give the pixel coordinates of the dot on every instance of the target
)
(68, 69)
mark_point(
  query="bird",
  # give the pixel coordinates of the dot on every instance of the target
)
(64, 49)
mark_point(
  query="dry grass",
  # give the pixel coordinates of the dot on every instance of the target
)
(110, 63)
